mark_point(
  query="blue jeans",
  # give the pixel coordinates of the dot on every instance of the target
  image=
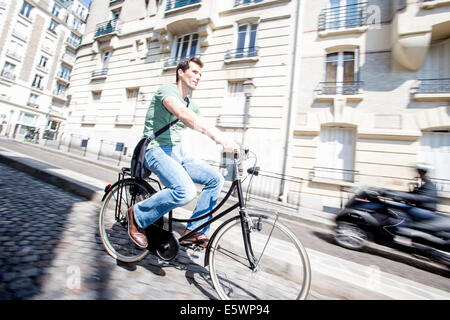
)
(178, 173)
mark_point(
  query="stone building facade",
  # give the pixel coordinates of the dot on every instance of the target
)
(38, 41)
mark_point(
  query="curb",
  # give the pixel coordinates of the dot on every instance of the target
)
(38, 170)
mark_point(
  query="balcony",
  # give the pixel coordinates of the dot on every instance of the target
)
(175, 4)
(64, 78)
(172, 63)
(8, 75)
(329, 90)
(69, 58)
(99, 74)
(242, 55)
(106, 28)
(74, 43)
(432, 90)
(343, 19)
(60, 95)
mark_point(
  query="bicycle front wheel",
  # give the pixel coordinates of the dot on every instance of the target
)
(113, 224)
(282, 266)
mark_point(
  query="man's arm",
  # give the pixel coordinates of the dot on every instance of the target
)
(192, 121)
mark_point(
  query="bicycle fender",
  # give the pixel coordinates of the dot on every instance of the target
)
(109, 187)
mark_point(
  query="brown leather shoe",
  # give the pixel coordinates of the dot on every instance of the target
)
(137, 235)
(196, 238)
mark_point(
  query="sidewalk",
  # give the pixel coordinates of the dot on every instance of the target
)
(332, 276)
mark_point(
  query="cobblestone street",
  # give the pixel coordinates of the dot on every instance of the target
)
(50, 249)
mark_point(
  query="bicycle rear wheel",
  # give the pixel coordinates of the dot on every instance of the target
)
(113, 224)
(283, 269)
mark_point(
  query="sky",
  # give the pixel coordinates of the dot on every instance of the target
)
(88, 2)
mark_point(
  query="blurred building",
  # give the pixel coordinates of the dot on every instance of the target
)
(347, 92)
(37, 54)
(372, 96)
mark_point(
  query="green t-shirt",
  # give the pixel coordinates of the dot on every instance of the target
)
(158, 116)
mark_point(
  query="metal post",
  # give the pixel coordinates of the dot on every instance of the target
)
(100, 149)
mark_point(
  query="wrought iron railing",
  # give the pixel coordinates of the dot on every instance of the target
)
(106, 27)
(433, 86)
(99, 73)
(173, 62)
(73, 42)
(173, 4)
(345, 88)
(241, 53)
(343, 17)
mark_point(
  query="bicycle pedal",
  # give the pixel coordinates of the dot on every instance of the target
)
(193, 246)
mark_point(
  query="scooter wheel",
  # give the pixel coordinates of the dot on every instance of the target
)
(350, 236)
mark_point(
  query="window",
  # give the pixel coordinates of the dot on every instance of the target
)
(74, 40)
(341, 71)
(56, 10)
(246, 40)
(60, 89)
(76, 24)
(115, 14)
(335, 153)
(38, 82)
(185, 46)
(344, 14)
(8, 71)
(233, 110)
(33, 100)
(105, 59)
(15, 49)
(64, 73)
(96, 96)
(21, 31)
(435, 150)
(434, 75)
(52, 26)
(132, 95)
(43, 62)
(95, 104)
(26, 10)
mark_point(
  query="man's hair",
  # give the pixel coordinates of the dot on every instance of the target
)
(184, 64)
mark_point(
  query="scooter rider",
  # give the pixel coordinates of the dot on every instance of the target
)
(424, 197)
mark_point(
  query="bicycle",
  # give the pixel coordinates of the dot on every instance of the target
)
(269, 263)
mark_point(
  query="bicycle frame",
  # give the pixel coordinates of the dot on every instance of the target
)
(236, 184)
(242, 213)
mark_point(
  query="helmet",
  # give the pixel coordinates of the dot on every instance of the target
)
(424, 167)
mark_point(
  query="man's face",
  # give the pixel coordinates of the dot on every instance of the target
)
(191, 77)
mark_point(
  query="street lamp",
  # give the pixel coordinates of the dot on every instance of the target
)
(249, 88)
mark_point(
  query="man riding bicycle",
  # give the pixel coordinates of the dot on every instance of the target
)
(165, 157)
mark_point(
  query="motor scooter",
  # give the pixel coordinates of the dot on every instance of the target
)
(373, 215)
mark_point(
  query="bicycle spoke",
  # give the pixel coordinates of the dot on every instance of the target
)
(284, 273)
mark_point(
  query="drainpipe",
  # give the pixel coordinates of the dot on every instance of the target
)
(291, 115)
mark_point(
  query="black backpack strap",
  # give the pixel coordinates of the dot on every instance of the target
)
(167, 126)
